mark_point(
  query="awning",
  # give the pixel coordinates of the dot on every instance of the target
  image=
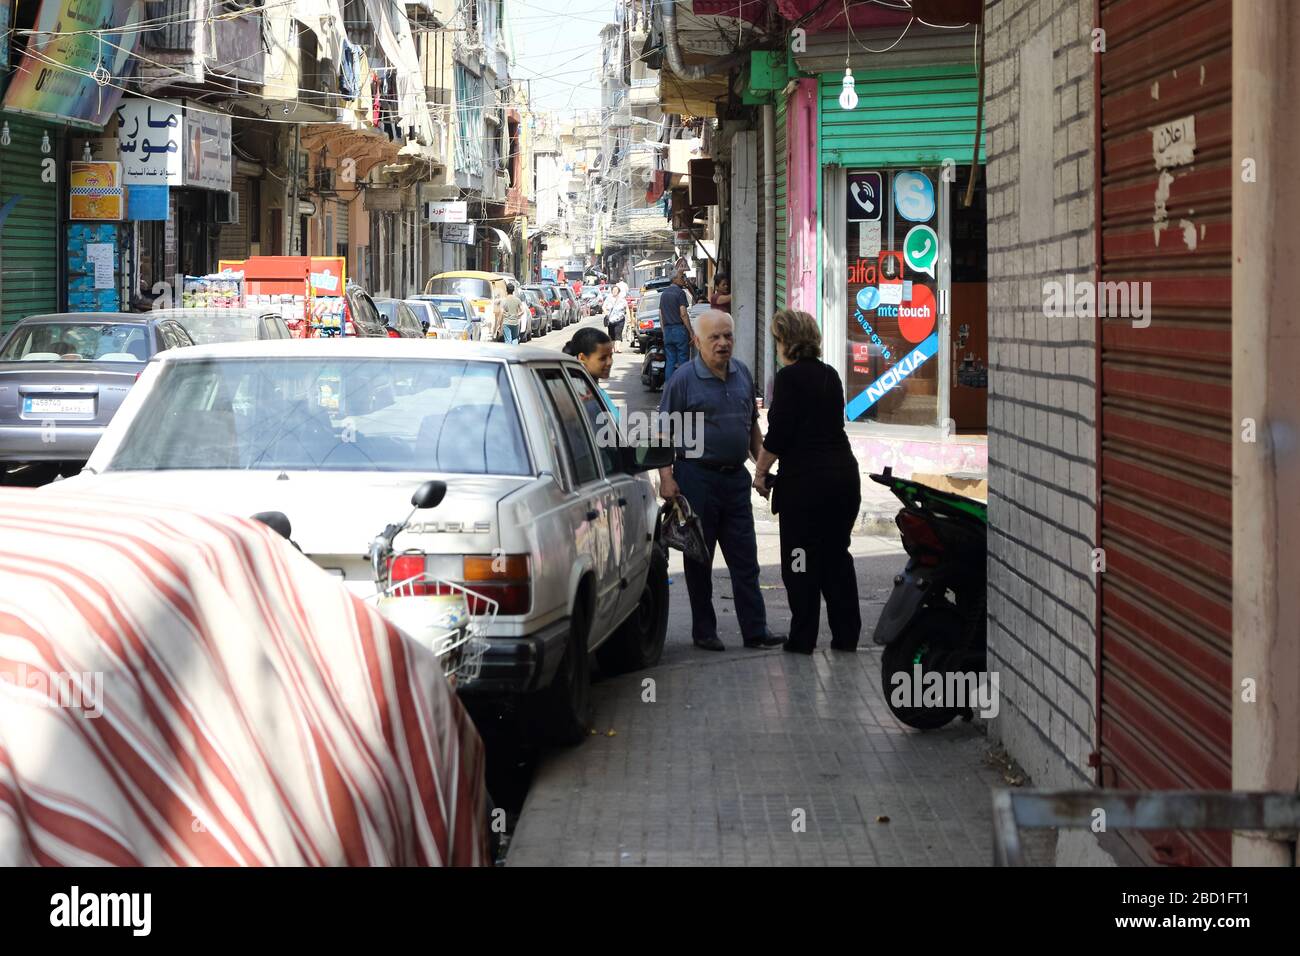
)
(504, 240)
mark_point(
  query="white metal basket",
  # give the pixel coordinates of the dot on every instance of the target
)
(442, 621)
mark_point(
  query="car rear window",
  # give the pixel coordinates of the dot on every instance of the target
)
(470, 287)
(77, 342)
(328, 414)
(452, 309)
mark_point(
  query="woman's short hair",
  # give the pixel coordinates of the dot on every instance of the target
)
(798, 334)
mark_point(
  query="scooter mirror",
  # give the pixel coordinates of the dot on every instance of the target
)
(429, 494)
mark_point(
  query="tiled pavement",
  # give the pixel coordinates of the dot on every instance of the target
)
(737, 747)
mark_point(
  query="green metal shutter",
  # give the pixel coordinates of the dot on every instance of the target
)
(782, 209)
(912, 116)
(29, 236)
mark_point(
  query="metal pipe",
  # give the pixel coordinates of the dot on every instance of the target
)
(769, 226)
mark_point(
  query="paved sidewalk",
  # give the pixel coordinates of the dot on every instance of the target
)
(738, 747)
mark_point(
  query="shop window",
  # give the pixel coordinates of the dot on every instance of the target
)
(893, 255)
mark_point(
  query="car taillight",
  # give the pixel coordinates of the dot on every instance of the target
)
(349, 329)
(393, 333)
(503, 577)
(647, 323)
(919, 538)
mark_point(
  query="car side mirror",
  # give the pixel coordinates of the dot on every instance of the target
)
(429, 494)
(277, 521)
(639, 458)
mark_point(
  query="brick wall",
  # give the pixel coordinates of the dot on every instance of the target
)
(1041, 615)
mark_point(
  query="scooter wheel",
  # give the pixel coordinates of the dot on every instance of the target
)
(926, 642)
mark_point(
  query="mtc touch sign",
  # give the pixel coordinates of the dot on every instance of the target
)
(905, 366)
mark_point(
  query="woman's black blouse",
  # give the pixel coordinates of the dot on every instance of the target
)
(805, 424)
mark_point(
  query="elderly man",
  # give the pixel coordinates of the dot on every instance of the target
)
(720, 390)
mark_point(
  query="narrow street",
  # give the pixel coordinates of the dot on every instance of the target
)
(755, 757)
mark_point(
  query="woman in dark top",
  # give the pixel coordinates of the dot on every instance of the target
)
(818, 492)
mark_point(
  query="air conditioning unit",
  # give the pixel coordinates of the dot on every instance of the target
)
(225, 208)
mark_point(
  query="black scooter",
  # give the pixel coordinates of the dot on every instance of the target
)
(933, 625)
(655, 362)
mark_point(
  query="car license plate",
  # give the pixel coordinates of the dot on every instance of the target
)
(59, 406)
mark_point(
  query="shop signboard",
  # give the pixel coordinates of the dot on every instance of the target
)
(207, 150)
(77, 61)
(893, 321)
(456, 211)
(151, 141)
(95, 192)
(458, 233)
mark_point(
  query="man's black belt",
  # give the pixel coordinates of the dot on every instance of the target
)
(717, 466)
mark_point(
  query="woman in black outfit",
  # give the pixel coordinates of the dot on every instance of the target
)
(818, 492)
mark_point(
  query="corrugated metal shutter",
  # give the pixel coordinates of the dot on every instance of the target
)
(341, 227)
(234, 235)
(782, 206)
(905, 117)
(29, 238)
(1166, 403)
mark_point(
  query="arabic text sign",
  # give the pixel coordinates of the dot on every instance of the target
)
(207, 150)
(150, 137)
(56, 75)
(1174, 143)
(449, 211)
(460, 233)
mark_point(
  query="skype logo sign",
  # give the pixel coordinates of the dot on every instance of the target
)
(914, 196)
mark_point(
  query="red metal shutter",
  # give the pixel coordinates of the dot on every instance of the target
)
(1165, 411)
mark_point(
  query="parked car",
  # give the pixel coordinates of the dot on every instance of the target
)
(551, 293)
(552, 312)
(539, 314)
(458, 315)
(210, 326)
(647, 320)
(594, 300)
(362, 316)
(435, 327)
(483, 289)
(570, 304)
(546, 512)
(224, 666)
(63, 378)
(401, 322)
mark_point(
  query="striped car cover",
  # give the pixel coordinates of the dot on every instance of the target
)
(188, 689)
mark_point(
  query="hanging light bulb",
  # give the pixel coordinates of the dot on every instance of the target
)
(4, 134)
(45, 143)
(848, 96)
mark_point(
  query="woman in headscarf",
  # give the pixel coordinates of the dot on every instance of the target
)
(616, 313)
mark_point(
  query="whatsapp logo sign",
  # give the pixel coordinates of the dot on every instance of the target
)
(921, 249)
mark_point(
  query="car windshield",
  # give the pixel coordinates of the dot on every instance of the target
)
(470, 287)
(207, 326)
(327, 414)
(388, 309)
(84, 342)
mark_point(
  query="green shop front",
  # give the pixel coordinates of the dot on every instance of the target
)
(901, 257)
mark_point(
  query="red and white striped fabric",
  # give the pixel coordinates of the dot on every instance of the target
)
(185, 689)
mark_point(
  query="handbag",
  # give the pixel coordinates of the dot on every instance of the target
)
(680, 528)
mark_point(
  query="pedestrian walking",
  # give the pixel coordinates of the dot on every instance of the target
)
(616, 314)
(818, 489)
(509, 313)
(595, 350)
(719, 390)
(676, 325)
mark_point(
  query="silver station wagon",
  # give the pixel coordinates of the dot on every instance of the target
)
(547, 511)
